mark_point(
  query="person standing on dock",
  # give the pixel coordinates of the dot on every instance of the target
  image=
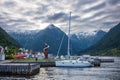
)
(46, 50)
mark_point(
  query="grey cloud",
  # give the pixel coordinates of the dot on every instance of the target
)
(96, 13)
(83, 2)
(28, 13)
(40, 10)
(18, 20)
(2, 18)
(99, 14)
(57, 16)
(39, 18)
(102, 5)
(114, 2)
(9, 4)
(109, 23)
(78, 4)
(61, 17)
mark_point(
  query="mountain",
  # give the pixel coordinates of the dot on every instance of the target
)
(52, 35)
(6, 39)
(25, 38)
(107, 45)
(35, 40)
(83, 40)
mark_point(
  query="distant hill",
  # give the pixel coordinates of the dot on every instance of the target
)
(6, 39)
(108, 45)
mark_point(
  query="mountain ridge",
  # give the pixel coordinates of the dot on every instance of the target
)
(6, 39)
(51, 35)
(86, 39)
(108, 45)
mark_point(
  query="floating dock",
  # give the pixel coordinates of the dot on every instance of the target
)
(97, 61)
(23, 69)
(106, 60)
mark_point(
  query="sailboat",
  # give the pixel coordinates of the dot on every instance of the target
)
(69, 62)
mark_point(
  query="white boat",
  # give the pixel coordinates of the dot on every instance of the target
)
(72, 63)
(69, 62)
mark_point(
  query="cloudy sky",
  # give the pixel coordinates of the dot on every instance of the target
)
(87, 15)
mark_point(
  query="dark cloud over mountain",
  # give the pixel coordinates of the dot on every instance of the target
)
(37, 14)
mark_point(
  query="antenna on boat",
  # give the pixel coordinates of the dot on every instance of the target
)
(69, 24)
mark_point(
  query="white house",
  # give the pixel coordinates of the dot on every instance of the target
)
(39, 55)
(2, 55)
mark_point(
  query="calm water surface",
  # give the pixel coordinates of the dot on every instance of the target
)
(107, 71)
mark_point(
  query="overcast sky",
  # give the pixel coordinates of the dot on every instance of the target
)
(87, 15)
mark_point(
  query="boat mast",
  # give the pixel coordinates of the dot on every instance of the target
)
(68, 51)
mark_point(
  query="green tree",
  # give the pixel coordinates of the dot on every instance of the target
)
(10, 52)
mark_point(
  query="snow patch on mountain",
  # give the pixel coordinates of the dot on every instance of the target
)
(24, 32)
(86, 34)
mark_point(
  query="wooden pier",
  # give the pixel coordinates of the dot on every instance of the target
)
(23, 69)
(42, 64)
(26, 69)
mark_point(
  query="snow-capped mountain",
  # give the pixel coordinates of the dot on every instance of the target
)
(35, 40)
(24, 38)
(24, 32)
(108, 45)
(52, 35)
(85, 39)
(87, 34)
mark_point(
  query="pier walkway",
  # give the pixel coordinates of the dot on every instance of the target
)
(26, 69)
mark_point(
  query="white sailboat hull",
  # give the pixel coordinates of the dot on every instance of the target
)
(72, 63)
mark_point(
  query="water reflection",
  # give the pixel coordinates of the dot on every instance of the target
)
(107, 71)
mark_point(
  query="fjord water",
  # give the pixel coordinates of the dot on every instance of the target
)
(107, 71)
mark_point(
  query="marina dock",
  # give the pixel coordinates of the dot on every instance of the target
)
(25, 69)
(106, 60)
(97, 61)
(32, 68)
